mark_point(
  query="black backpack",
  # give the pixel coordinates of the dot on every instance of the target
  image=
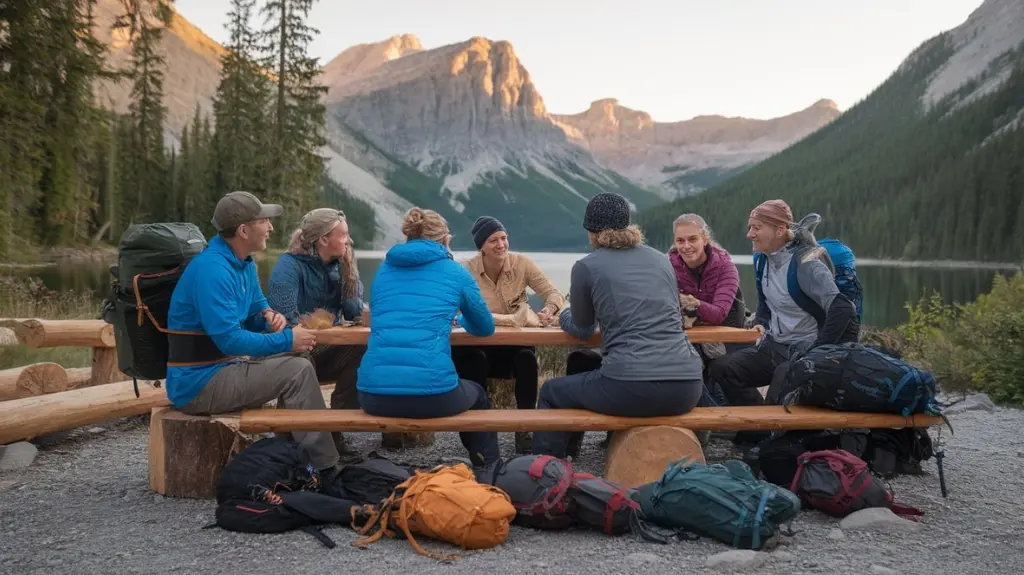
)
(855, 377)
(150, 261)
(272, 487)
(370, 481)
(538, 486)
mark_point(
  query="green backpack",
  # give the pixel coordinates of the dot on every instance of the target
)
(722, 501)
(150, 260)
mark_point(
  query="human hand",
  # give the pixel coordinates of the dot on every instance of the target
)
(759, 329)
(303, 339)
(546, 316)
(687, 301)
(275, 321)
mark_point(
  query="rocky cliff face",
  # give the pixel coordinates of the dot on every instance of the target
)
(468, 124)
(685, 157)
(191, 76)
(364, 58)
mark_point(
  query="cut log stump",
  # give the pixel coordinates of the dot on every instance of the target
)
(187, 453)
(639, 455)
(32, 380)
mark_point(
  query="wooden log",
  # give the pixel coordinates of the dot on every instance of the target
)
(759, 417)
(639, 455)
(66, 333)
(8, 337)
(187, 453)
(104, 366)
(32, 380)
(534, 336)
(79, 377)
(26, 418)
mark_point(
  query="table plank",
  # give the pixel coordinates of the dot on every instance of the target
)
(534, 336)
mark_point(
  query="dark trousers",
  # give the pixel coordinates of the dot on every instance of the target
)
(340, 364)
(592, 391)
(477, 363)
(482, 445)
(739, 374)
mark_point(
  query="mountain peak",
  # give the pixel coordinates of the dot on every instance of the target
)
(825, 104)
(364, 58)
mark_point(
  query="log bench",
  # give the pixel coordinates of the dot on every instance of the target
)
(186, 456)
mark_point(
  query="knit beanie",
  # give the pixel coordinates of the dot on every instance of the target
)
(606, 211)
(775, 213)
(483, 228)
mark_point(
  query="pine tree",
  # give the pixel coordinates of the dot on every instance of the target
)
(297, 114)
(147, 110)
(241, 107)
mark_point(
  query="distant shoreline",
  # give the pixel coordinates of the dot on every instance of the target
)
(59, 256)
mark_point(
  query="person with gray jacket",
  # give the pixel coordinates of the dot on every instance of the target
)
(649, 367)
(787, 329)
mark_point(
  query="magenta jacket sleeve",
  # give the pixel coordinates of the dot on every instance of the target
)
(726, 284)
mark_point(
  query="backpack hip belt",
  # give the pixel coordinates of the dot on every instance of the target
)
(186, 349)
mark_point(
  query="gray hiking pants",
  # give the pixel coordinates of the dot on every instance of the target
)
(289, 379)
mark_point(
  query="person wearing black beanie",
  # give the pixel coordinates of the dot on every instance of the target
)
(503, 277)
(648, 368)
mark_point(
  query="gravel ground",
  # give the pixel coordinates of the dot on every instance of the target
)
(84, 507)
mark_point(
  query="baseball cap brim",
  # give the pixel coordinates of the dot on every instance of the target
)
(270, 211)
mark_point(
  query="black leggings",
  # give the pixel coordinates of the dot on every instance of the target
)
(477, 363)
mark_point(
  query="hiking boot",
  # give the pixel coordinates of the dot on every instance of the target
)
(345, 452)
(524, 442)
(483, 471)
(574, 443)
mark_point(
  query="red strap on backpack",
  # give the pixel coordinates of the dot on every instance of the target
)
(553, 498)
(618, 500)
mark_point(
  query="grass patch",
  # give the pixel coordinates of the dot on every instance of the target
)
(27, 297)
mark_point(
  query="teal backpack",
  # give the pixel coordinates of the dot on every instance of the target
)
(722, 501)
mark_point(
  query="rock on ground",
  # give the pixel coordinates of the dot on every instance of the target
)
(84, 507)
(879, 519)
(737, 560)
(17, 456)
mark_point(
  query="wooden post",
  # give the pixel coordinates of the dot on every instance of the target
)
(639, 455)
(187, 453)
(31, 380)
(104, 366)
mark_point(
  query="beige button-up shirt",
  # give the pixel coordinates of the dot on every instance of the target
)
(507, 296)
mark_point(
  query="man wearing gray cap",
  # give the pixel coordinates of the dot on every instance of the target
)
(319, 272)
(223, 330)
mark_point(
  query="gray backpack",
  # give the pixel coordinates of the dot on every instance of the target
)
(603, 505)
(538, 486)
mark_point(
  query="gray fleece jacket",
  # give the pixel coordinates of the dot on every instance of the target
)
(785, 321)
(632, 294)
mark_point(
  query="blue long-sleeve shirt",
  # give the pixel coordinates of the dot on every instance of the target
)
(301, 284)
(220, 295)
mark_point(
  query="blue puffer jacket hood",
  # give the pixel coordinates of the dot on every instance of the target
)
(417, 291)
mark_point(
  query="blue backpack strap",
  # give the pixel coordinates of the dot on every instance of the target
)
(798, 295)
(760, 261)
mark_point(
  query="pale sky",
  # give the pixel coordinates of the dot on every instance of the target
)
(673, 59)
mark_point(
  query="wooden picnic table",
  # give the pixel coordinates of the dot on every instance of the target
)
(534, 336)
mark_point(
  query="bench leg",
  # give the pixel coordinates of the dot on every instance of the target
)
(188, 453)
(639, 455)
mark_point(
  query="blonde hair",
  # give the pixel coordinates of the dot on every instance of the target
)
(424, 224)
(620, 239)
(699, 223)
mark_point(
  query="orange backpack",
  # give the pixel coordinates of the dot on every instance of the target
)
(445, 503)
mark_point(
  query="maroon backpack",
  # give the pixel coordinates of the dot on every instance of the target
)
(601, 504)
(538, 486)
(838, 483)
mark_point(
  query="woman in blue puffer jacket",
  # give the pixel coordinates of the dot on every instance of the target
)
(407, 370)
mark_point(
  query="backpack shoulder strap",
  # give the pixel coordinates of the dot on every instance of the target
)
(798, 295)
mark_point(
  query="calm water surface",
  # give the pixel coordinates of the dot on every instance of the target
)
(887, 286)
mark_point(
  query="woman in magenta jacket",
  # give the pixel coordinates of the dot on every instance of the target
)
(707, 278)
